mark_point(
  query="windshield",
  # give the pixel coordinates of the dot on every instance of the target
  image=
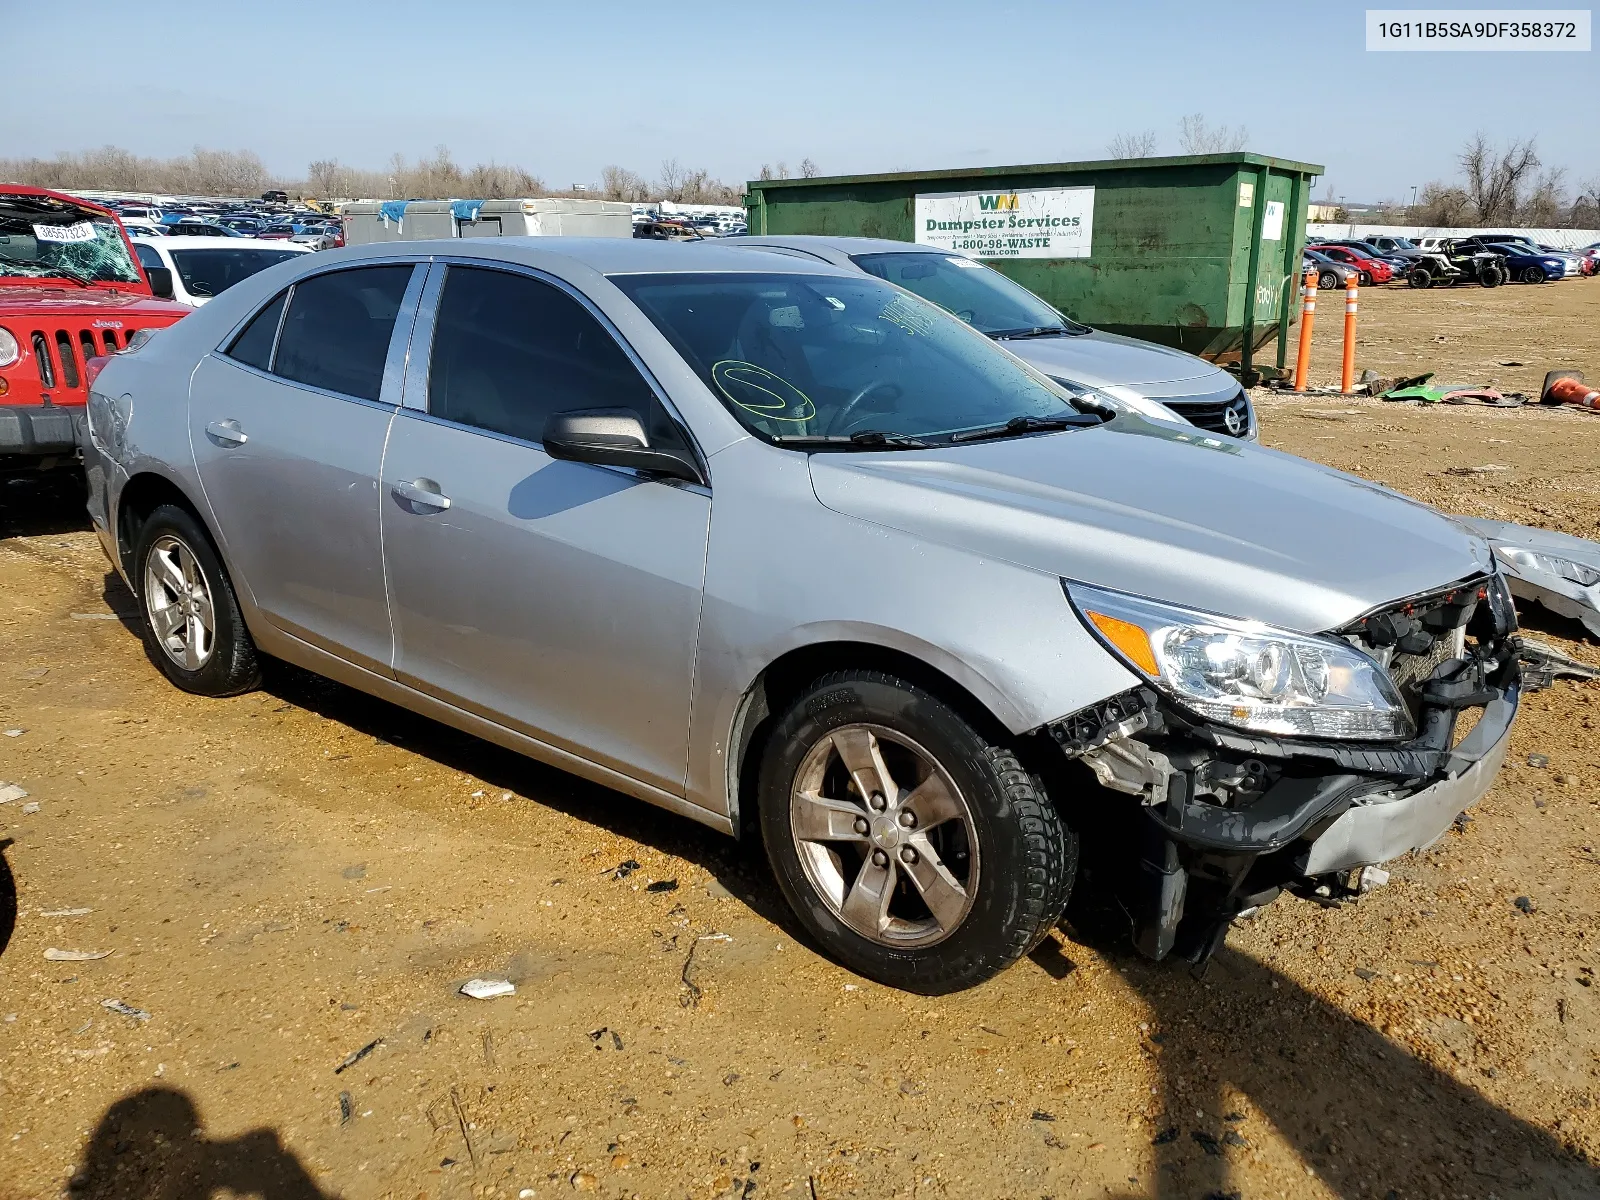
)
(212, 271)
(983, 298)
(820, 356)
(62, 243)
(1403, 243)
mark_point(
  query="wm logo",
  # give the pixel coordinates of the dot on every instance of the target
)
(1004, 203)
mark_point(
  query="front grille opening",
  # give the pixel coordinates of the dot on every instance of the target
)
(69, 360)
(110, 339)
(86, 340)
(41, 353)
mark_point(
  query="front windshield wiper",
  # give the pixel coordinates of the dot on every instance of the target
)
(1021, 425)
(864, 439)
(1030, 332)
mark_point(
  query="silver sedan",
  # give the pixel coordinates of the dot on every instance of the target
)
(786, 549)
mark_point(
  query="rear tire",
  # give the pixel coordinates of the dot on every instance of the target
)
(869, 878)
(192, 628)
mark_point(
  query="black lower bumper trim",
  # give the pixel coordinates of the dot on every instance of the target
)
(45, 429)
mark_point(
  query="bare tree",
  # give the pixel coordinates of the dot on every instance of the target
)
(1442, 205)
(672, 180)
(619, 183)
(1132, 145)
(765, 172)
(808, 169)
(326, 177)
(1547, 202)
(1196, 136)
(1495, 178)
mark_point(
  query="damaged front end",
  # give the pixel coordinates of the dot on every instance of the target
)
(1228, 816)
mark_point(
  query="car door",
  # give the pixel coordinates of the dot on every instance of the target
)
(288, 424)
(559, 599)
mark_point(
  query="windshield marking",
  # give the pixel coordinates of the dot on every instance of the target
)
(745, 377)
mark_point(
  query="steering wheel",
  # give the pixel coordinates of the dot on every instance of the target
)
(892, 391)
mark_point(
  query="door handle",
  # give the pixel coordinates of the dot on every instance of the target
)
(423, 491)
(227, 431)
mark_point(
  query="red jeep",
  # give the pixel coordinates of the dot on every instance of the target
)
(70, 290)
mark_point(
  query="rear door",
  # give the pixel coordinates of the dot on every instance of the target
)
(288, 424)
(557, 598)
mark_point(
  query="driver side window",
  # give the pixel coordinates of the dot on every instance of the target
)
(510, 350)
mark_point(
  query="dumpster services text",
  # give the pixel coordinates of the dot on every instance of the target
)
(1026, 223)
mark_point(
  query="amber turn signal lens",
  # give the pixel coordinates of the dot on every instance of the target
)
(4, 387)
(1130, 639)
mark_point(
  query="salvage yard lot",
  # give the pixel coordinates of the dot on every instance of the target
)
(288, 877)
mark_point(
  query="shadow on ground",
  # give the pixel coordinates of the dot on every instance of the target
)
(8, 897)
(1247, 1049)
(739, 866)
(151, 1146)
(49, 502)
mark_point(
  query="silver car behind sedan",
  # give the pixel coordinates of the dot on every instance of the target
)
(1156, 380)
(792, 552)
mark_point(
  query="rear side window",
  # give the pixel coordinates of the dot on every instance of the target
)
(336, 335)
(253, 346)
(509, 350)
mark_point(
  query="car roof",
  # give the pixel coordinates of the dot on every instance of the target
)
(608, 256)
(842, 245)
(184, 243)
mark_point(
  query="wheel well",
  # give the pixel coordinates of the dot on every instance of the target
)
(787, 676)
(140, 497)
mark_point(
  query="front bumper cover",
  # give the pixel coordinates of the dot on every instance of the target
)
(1386, 827)
(1228, 819)
(37, 431)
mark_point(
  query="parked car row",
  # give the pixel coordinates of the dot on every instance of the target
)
(232, 219)
(1488, 259)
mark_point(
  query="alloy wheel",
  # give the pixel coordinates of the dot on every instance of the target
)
(884, 836)
(178, 604)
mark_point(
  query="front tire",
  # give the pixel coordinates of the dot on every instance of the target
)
(192, 628)
(1491, 277)
(915, 849)
(1420, 277)
(1327, 281)
(1533, 275)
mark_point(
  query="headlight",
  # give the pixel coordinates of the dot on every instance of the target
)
(1573, 572)
(10, 349)
(1244, 673)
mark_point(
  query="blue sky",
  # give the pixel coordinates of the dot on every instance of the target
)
(565, 88)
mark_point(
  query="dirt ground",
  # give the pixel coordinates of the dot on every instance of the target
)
(293, 885)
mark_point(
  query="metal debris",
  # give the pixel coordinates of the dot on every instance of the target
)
(352, 1059)
(488, 989)
(1557, 570)
(126, 1010)
(54, 955)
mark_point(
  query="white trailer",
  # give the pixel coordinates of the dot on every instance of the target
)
(367, 221)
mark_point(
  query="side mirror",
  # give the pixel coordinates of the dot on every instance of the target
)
(613, 437)
(160, 281)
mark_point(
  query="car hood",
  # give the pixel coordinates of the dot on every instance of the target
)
(1215, 524)
(1099, 359)
(45, 300)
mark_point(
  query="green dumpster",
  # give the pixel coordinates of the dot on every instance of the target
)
(1201, 252)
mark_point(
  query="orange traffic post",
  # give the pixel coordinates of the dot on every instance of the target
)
(1308, 317)
(1347, 376)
